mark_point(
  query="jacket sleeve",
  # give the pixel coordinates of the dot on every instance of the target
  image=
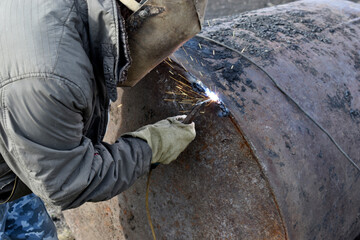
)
(43, 143)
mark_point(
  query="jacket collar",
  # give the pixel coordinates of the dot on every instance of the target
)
(108, 47)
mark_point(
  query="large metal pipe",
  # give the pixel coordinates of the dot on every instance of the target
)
(268, 171)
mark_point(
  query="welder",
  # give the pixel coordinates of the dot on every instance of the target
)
(60, 64)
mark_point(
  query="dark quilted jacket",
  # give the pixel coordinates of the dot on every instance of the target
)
(60, 62)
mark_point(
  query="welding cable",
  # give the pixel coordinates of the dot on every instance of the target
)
(12, 191)
(287, 95)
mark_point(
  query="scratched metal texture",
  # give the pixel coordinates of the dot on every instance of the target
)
(312, 50)
(266, 172)
(213, 189)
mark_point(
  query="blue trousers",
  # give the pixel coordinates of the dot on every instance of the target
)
(26, 218)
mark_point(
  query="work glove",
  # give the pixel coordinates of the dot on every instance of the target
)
(166, 138)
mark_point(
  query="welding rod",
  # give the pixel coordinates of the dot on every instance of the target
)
(191, 116)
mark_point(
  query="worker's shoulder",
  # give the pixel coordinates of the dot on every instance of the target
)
(33, 32)
(46, 90)
(43, 38)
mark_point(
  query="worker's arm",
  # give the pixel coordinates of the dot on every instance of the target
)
(167, 138)
(42, 141)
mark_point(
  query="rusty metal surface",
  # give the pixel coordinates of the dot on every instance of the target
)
(213, 189)
(218, 8)
(268, 172)
(311, 48)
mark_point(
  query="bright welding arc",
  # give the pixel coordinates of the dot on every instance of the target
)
(192, 92)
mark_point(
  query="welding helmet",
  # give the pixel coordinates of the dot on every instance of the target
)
(156, 28)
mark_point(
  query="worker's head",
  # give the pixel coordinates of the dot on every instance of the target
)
(156, 29)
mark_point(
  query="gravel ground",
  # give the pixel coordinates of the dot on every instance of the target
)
(63, 229)
(216, 8)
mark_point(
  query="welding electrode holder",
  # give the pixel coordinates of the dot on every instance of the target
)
(189, 119)
(194, 112)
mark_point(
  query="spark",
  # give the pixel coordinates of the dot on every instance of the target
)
(173, 56)
(189, 93)
(191, 58)
(212, 95)
(179, 82)
(183, 67)
(185, 51)
(200, 46)
(232, 67)
(213, 52)
(171, 73)
(186, 102)
(180, 89)
(173, 93)
(183, 77)
(169, 64)
(120, 105)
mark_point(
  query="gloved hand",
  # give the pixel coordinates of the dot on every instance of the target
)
(167, 138)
